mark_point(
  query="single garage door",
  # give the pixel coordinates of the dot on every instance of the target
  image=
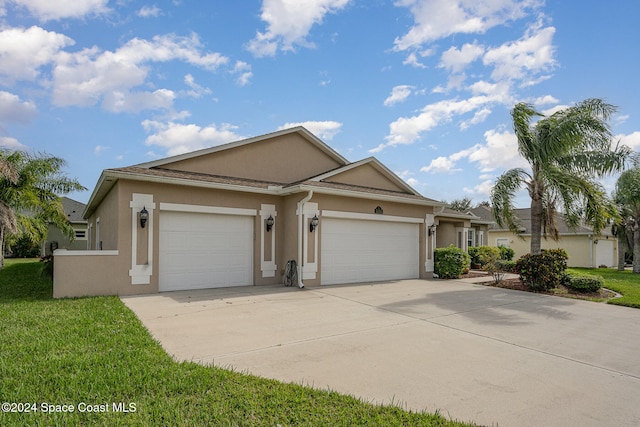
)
(363, 251)
(605, 254)
(202, 250)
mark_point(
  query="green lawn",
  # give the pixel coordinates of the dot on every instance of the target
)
(93, 353)
(623, 282)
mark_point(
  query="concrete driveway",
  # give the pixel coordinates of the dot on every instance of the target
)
(474, 353)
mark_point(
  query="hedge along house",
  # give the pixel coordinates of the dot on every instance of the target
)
(235, 214)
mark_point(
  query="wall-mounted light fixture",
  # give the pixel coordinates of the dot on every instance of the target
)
(378, 210)
(314, 223)
(432, 229)
(270, 222)
(144, 217)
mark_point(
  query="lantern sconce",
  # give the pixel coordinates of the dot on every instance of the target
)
(432, 229)
(144, 217)
(314, 223)
(270, 222)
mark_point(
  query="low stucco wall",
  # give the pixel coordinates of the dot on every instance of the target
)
(89, 273)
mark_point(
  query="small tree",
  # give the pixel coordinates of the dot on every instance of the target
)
(461, 205)
(29, 196)
(627, 196)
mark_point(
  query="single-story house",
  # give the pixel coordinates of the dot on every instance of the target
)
(56, 239)
(237, 214)
(460, 229)
(584, 247)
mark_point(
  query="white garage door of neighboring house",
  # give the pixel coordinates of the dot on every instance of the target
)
(203, 250)
(605, 254)
(362, 251)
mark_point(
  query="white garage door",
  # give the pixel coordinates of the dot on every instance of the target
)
(605, 254)
(201, 250)
(363, 251)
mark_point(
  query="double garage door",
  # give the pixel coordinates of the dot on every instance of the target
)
(202, 250)
(365, 250)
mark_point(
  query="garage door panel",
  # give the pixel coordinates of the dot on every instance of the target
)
(360, 251)
(200, 251)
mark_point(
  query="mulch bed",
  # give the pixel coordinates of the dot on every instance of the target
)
(561, 291)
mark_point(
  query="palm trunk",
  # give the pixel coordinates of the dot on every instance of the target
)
(536, 225)
(1, 248)
(636, 248)
(622, 248)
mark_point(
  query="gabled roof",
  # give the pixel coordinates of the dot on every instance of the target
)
(298, 129)
(359, 179)
(370, 161)
(524, 220)
(73, 209)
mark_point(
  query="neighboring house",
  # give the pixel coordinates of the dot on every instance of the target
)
(460, 229)
(56, 239)
(235, 214)
(585, 249)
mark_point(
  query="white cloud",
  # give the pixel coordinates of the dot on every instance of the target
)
(406, 130)
(479, 117)
(46, 10)
(436, 19)
(499, 152)
(484, 188)
(398, 94)
(12, 144)
(24, 51)
(441, 165)
(412, 59)
(545, 100)
(99, 149)
(289, 23)
(325, 130)
(178, 138)
(196, 90)
(632, 140)
(244, 71)
(149, 12)
(13, 109)
(457, 60)
(524, 58)
(87, 77)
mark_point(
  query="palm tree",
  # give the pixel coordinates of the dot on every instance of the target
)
(29, 196)
(627, 196)
(567, 152)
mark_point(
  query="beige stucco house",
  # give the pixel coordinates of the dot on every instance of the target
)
(460, 229)
(235, 214)
(57, 239)
(584, 247)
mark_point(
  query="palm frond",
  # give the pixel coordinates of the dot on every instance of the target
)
(502, 194)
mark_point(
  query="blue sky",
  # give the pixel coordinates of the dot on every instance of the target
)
(425, 86)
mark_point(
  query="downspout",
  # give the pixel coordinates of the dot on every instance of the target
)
(301, 230)
(591, 250)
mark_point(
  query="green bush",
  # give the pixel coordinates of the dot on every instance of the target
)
(483, 254)
(451, 262)
(542, 272)
(583, 282)
(506, 253)
(473, 253)
(507, 265)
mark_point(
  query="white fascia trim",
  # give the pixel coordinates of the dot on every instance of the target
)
(179, 207)
(370, 217)
(67, 252)
(359, 195)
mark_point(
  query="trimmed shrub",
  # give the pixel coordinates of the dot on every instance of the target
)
(506, 253)
(542, 272)
(584, 282)
(451, 262)
(483, 254)
(508, 266)
(473, 253)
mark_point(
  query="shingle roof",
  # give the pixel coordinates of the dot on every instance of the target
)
(73, 209)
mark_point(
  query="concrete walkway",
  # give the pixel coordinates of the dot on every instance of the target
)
(475, 353)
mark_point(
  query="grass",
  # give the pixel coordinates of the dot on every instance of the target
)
(624, 282)
(95, 351)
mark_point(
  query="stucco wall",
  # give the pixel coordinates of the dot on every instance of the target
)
(580, 248)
